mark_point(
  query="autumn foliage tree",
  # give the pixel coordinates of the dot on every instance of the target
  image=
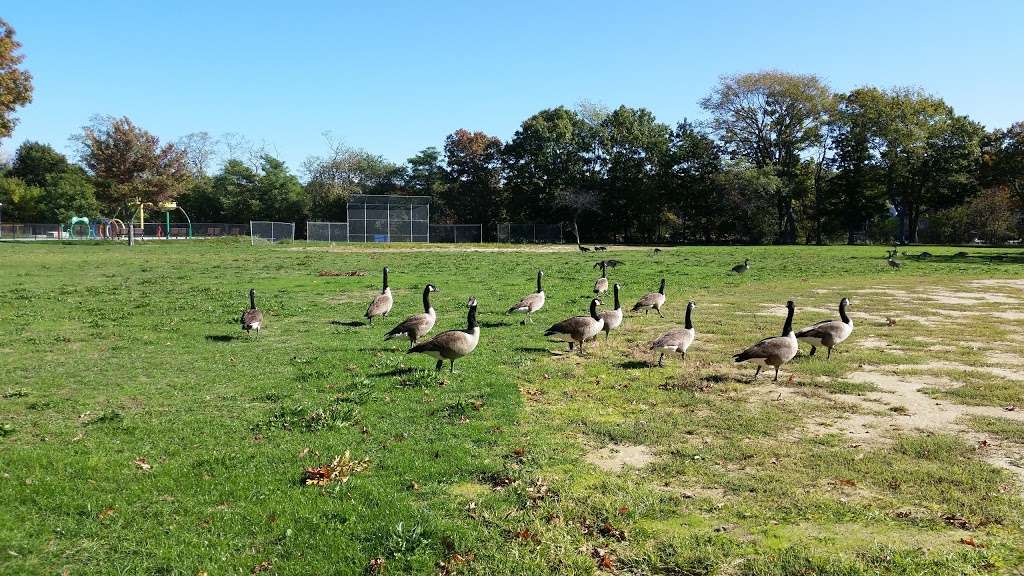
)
(130, 164)
(15, 82)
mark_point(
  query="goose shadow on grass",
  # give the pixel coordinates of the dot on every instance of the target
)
(221, 337)
(397, 371)
(350, 323)
(634, 364)
(533, 349)
(495, 324)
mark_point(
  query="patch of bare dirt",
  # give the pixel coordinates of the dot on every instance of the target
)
(900, 405)
(1004, 358)
(616, 457)
(995, 370)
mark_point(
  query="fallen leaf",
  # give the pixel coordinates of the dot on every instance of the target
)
(519, 451)
(106, 513)
(339, 470)
(969, 540)
(264, 566)
(303, 452)
(376, 566)
(623, 510)
(414, 487)
(143, 464)
(605, 560)
(845, 482)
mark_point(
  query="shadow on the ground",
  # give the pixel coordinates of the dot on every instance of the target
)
(221, 337)
(350, 323)
(634, 364)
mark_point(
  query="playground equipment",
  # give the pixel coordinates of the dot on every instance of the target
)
(79, 229)
(166, 207)
(82, 228)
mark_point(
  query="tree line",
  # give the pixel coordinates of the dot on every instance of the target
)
(780, 158)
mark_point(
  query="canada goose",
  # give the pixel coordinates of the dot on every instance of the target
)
(828, 333)
(925, 255)
(601, 285)
(583, 248)
(600, 248)
(894, 264)
(653, 300)
(612, 318)
(252, 318)
(381, 305)
(961, 254)
(774, 351)
(531, 303)
(578, 329)
(657, 250)
(678, 339)
(418, 325)
(742, 268)
(453, 344)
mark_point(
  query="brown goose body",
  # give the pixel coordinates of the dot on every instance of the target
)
(453, 344)
(578, 329)
(677, 340)
(828, 333)
(531, 303)
(382, 303)
(252, 319)
(652, 301)
(774, 351)
(418, 325)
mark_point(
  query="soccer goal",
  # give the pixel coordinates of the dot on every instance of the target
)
(260, 231)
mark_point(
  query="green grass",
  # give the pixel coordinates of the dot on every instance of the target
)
(114, 360)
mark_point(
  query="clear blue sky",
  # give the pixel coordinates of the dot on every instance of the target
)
(396, 77)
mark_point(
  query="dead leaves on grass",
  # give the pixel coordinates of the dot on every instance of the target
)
(339, 470)
(336, 273)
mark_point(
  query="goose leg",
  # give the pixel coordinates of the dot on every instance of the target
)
(813, 350)
(829, 357)
(583, 351)
(439, 365)
(776, 374)
(660, 358)
(571, 345)
(683, 356)
(756, 372)
(453, 366)
(659, 312)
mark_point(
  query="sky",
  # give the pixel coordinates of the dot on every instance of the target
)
(396, 77)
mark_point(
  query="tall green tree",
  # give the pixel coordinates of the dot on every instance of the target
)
(693, 162)
(856, 193)
(15, 82)
(425, 175)
(34, 162)
(474, 194)
(550, 156)
(930, 156)
(633, 150)
(771, 119)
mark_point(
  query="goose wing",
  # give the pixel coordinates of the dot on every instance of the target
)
(380, 305)
(648, 300)
(252, 317)
(819, 329)
(526, 303)
(669, 339)
(414, 322)
(573, 325)
(445, 342)
(763, 349)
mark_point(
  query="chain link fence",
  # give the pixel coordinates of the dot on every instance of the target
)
(457, 233)
(528, 233)
(388, 218)
(327, 232)
(31, 232)
(271, 231)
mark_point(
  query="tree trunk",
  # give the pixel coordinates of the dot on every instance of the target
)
(914, 220)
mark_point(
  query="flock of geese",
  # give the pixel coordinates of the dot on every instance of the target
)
(774, 351)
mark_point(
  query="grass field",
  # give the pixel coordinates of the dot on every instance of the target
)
(141, 432)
